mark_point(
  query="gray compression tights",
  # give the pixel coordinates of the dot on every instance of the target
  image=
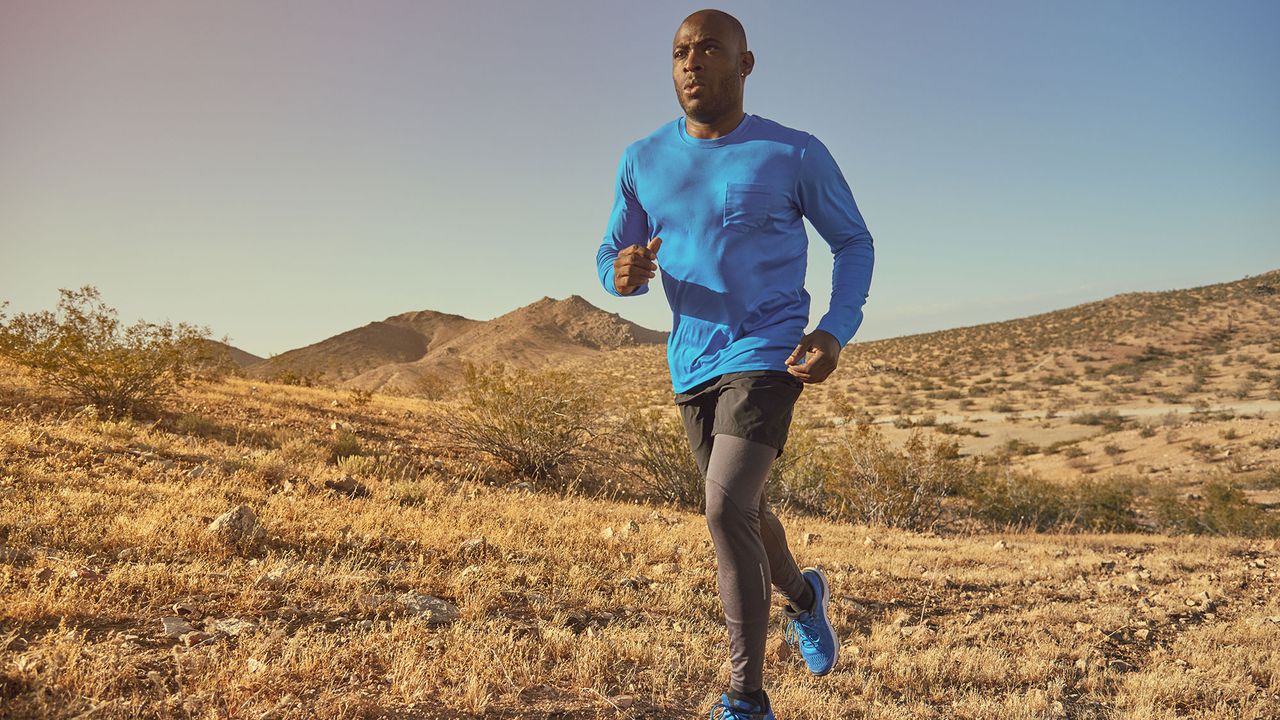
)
(751, 552)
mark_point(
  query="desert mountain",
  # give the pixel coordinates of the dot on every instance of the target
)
(238, 358)
(398, 339)
(545, 332)
(400, 352)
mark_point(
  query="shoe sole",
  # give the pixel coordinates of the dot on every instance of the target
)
(826, 618)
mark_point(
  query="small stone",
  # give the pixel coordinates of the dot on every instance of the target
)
(433, 609)
(236, 526)
(869, 541)
(347, 485)
(234, 626)
(1000, 545)
(255, 665)
(473, 548)
(84, 574)
(1141, 634)
(810, 538)
(607, 533)
(175, 627)
(853, 606)
(195, 637)
(196, 472)
(916, 630)
(631, 528)
(183, 609)
(622, 702)
(271, 580)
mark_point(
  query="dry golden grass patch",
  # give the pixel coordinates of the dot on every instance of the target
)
(102, 526)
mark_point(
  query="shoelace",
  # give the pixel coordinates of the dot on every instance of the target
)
(727, 712)
(793, 632)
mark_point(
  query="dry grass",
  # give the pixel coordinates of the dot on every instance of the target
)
(103, 529)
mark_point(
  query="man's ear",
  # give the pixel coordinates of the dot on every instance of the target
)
(747, 63)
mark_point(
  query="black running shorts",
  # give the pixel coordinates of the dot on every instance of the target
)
(752, 404)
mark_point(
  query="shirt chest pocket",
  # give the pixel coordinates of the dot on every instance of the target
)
(748, 206)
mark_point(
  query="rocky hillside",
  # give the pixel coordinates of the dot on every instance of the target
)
(405, 351)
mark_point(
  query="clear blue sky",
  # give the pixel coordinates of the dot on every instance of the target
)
(288, 170)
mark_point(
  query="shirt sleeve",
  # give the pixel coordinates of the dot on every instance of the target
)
(826, 200)
(628, 225)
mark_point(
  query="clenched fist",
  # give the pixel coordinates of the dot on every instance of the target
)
(815, 357)
(634, 266)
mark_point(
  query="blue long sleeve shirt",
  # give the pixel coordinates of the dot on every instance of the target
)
(734, 247)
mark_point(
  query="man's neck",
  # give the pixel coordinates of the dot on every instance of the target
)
(719, 127)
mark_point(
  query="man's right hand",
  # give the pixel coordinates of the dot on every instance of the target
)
(635, 266)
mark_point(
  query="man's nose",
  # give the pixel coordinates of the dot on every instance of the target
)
(692, 62)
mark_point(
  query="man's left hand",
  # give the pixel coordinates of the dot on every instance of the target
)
(815, 357)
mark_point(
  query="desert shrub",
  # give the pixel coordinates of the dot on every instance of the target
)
(798, 479)
(289, 376)
(345, 444)
(1222, 509)
(1108, 419)
(1017, 446)
(1006, 499)
(874, 483)
(1269, 480)
(389, 467)
(535, 422)
(665, 468)
(1268, 443)
(953, 429)
(83, 349)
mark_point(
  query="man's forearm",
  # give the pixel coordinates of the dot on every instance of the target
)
(850, 286)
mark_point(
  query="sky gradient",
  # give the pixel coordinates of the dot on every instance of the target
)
(285, 171)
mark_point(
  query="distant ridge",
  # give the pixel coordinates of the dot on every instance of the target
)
(403, 351)
(1119, 327)
(399, 338)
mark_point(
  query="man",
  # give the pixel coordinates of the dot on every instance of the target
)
(716, 199)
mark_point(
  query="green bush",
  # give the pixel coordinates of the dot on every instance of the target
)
(1109, 419)
(344, 445)
(665, 467)
(1007, 499)
(1222, 509)
(535, 422)
(872, 482)
(798, 479)
(83, 349)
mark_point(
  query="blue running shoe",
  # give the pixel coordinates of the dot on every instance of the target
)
(740, 708)
(819, 644)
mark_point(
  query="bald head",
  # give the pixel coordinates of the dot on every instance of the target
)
(720, 23)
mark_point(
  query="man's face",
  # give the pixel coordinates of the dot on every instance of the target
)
(707, 67)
